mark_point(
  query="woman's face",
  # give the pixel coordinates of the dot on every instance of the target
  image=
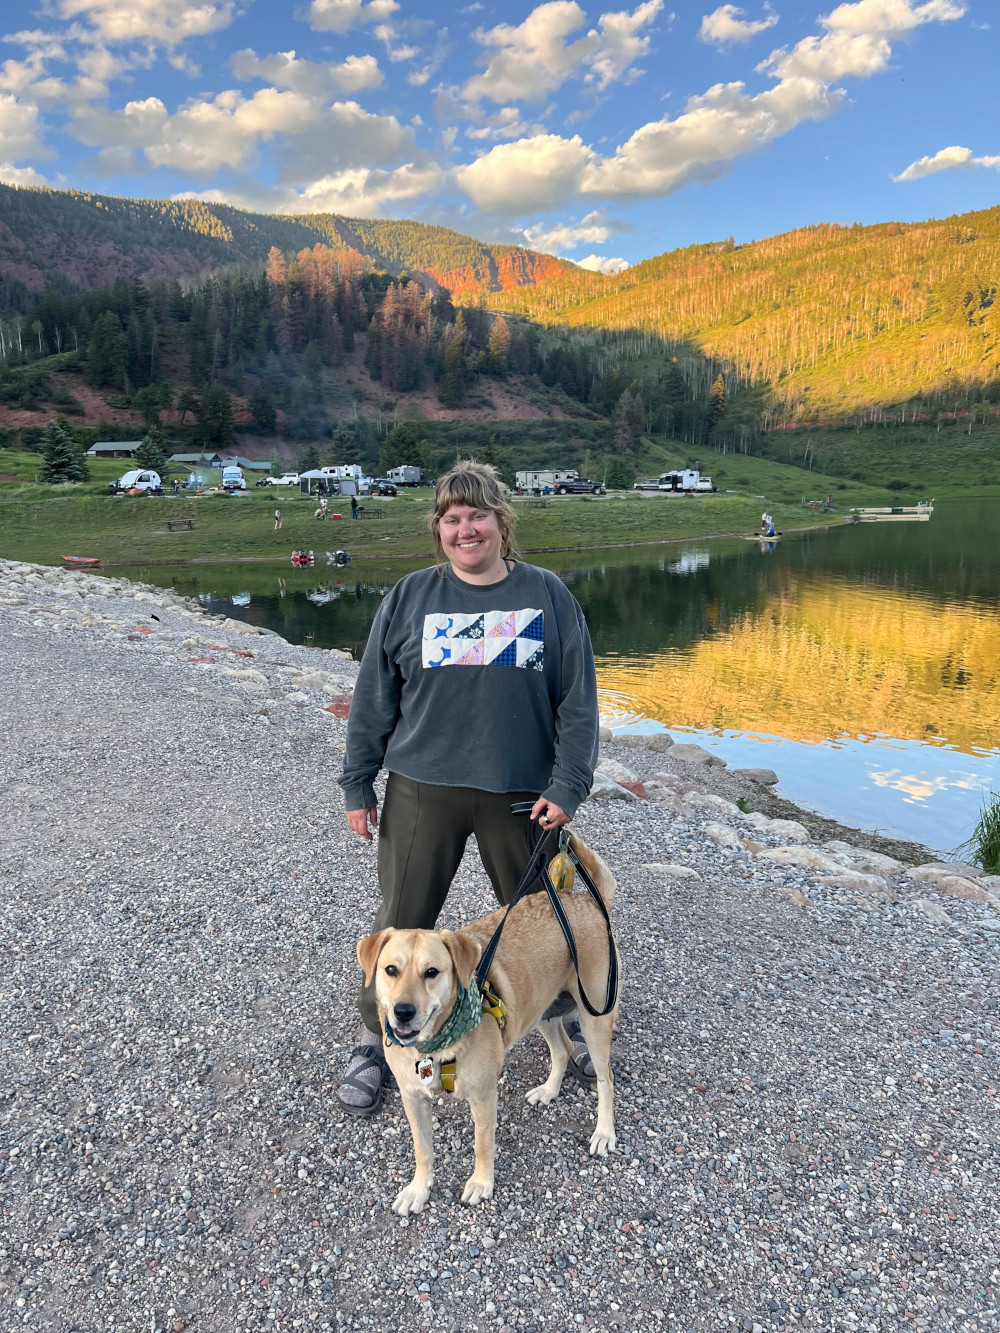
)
(471, 539)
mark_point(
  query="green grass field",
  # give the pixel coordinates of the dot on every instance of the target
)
(44, 523)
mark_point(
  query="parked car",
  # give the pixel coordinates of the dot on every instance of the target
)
(648, 484)
(266, 481)
(383, 486)
(580, 486)
(288, 479)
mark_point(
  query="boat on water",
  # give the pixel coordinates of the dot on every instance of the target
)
(82, 561)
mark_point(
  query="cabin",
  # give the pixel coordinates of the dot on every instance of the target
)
(114, 449)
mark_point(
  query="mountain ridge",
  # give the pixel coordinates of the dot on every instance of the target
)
(87, 240)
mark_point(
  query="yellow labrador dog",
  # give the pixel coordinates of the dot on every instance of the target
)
(417, 978)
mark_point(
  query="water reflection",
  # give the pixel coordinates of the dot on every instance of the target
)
(869, 655)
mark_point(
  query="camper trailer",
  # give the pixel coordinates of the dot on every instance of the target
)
(538, 482)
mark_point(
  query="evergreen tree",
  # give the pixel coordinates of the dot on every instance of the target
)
(675, 389)
(716, 403)
(277, 466)
(262, 409)
(308, 458)
(187, 401)
(498, 347)
(61, 460)
(451, 389)
(107, 352)
(346, 449)
(627, 424)
(398, 448)
(150, 455)
(619, 474)
(215, 418)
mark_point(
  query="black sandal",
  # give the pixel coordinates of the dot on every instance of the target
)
(374, 1059)
(580, 1062)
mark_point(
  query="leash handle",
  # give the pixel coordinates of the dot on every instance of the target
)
(538, 866)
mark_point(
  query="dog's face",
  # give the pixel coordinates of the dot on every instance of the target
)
(416, 976)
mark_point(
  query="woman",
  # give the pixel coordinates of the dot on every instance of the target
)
(476, 691)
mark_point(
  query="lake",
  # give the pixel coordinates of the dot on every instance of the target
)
(861, 663)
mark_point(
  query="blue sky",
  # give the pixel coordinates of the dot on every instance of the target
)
(605, 135)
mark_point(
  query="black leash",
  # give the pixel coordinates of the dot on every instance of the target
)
(536, 868)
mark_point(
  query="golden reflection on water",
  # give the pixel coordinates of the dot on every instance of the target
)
(827, 658)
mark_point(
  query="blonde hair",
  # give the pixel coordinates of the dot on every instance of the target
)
(477, 485)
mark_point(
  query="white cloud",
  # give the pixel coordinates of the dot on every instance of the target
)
(619, 45)
(527, 176)
(395, 48)
(11, 175)
(21, 130)
(507, 123)
(546, 171)
(343, 15)
(164, 21)
(945, 160)
(531, 60)
(598, 264)
(858, 39)
(311, 78)
(205, 136)
(591, 230)
(184, 64)
(726, 24)
(358, 192)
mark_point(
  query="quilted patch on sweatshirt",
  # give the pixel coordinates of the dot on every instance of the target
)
(485, 638)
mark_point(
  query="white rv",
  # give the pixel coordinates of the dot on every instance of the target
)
(535, 482)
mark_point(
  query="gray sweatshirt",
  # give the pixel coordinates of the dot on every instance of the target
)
(490, 687)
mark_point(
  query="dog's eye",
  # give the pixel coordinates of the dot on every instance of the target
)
(392, 970)
(431, 972)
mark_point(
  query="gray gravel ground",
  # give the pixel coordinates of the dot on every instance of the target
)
(806, 1056)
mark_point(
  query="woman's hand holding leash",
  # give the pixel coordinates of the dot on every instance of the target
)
(548, 814)
(359, 821)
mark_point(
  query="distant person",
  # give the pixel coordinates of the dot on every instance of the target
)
(354, 506)
(277, 519)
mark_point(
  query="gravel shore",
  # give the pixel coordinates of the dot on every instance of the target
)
(806, 1056)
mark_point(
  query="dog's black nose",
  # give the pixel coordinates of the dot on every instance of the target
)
(404, 1012)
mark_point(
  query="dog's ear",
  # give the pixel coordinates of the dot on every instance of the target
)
(368, 951)
(464, 952)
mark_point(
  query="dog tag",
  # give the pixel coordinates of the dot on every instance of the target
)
(562, 872)
(425, 1071)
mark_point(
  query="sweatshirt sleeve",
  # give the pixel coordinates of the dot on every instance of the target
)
(373, 717)
(576, 721)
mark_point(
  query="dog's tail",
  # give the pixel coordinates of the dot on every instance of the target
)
(596, 866)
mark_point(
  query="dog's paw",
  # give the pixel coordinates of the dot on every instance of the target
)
(602, 1143)
(477, 1190)
(542, 1095)
(412, 1199)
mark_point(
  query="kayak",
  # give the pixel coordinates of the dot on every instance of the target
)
(83, 561)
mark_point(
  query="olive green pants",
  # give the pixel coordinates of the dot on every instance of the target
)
(423, 830)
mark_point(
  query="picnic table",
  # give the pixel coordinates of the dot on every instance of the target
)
(366, 511)
(179, 523)
(536, 504)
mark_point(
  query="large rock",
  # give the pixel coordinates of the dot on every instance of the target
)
(617, 772)
(789, 829)
(670, 870)
(724, 836)
(669, 801)
(707, 801)
(696, 754)
(605, 734)
(659, 743)
(766, 777)
(606, 789)
(807, 858)
(854, 879)
(956, 886)
(935, 870)
(933, 912)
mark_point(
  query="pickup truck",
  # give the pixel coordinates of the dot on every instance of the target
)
(580, 486)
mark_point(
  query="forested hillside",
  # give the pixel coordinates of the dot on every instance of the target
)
(824, 321)
(68, 238)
